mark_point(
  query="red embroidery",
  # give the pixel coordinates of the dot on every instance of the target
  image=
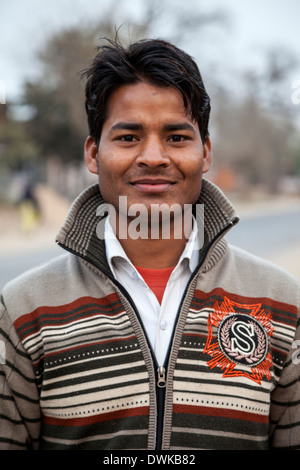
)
(242, 339)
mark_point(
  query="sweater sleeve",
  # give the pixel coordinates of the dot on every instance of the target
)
(285, 402)
(19, 399)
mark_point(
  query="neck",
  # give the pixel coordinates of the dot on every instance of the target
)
(153, 247)
(153, 254)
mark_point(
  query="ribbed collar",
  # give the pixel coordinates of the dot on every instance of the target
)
(79, 232)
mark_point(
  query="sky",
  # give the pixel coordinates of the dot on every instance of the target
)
(254, 26)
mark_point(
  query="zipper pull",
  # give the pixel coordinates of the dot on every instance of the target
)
(161, 373)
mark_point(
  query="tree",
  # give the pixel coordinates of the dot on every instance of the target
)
(254, 133)
(59, 122)
(57, 97)
(16, 146)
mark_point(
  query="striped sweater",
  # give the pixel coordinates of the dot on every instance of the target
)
(78, 371)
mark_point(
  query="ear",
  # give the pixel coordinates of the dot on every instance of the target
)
(207, 157)
(91, 154)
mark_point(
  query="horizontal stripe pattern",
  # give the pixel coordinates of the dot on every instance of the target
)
(206, 403)
(79, 372)
(284, 319)
(92, 374)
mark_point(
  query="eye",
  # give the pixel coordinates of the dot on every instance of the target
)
(177, 138)
(128, 138)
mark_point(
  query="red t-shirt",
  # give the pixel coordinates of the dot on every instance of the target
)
(156, 279)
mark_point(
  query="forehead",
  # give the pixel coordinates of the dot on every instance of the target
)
(144, 102)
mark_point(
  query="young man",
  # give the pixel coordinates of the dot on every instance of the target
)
(136, 341)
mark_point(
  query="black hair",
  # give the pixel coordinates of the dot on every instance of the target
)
(155, 61)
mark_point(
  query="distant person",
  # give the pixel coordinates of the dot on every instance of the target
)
(29, 209)
(134, 339)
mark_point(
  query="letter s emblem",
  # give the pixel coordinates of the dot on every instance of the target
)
(242, 341)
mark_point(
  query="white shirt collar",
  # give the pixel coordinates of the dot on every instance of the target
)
(115, 251)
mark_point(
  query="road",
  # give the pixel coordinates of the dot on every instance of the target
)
(268, 234)
(13, 265)
(264, 235)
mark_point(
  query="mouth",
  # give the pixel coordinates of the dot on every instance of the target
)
(152, 185)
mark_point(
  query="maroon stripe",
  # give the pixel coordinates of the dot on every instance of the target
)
(65, 312)
(90, 420)
(287, 312)
(221, 412)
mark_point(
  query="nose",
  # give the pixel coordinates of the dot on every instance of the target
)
(153, 154)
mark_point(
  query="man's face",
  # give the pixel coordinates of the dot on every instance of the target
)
(150, 148)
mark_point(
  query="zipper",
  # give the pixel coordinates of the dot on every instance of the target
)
(161, 377)
(160, 400)
(161, 371)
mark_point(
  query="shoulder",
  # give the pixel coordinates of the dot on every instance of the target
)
(38, 275)
(247, 260)
(260, 273)
(42, 285)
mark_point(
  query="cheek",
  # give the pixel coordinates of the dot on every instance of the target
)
(105, 174)
(193, 171)
(192, 166)
(110, 176)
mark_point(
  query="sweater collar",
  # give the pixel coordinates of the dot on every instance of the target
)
(80, 232)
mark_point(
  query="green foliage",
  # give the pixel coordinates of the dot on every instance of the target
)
(297, 159)
(57, 97)
(51, 126)
(16, 146)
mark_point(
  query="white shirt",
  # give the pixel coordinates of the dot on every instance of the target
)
(158, 319)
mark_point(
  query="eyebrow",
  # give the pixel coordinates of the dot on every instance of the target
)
(172, 127)
(180, 126)
(126, 126)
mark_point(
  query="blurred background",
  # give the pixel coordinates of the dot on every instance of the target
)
(248, 55)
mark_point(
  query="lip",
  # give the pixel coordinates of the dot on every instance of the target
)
(149, 185)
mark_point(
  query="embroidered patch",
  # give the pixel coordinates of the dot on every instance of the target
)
(241, 340)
